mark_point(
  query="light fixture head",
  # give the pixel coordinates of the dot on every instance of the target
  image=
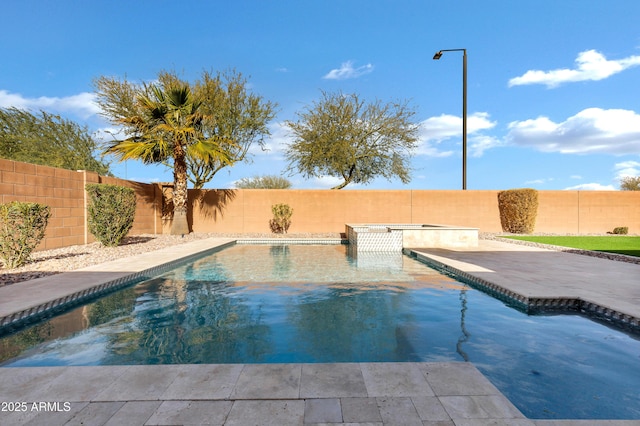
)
(438, 55)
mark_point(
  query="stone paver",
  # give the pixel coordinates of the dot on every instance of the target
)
(398, 411)
(139, 383)
(203, 381)
(134, 413)
(278, 381)
(360, 410)
(457, 379)
(332, 380)
(279, 394)
(191, 412)
(325, 410)
(430, 408)
(391, 378)
(266, 412)
(96, 414)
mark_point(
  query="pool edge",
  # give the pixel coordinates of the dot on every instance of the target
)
(534, 304)
(17, 319)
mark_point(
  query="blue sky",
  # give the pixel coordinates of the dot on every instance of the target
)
(553, 86)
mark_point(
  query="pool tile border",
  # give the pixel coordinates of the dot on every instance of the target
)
(307, 241)
(36, 313)
(533, 305)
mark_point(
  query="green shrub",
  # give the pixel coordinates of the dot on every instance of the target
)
(518, 210)
(281, 218)
(621, 230)
(111, 211)
(22, 227)
(264, 182)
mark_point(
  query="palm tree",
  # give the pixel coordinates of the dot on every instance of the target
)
(163, 121)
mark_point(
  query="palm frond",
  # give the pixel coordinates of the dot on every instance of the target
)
(144, 149)
(211, 151)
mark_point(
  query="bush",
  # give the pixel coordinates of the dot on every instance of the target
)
(281, 218)
(22, 227)
(264, 182)
(621, 230)
(518, 210)
(111, 211)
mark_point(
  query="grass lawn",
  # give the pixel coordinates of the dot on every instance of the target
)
(610, 244)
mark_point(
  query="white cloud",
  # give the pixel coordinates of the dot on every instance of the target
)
(480, 143)
(108, 134)
(326, 182)
(539, 181)
(593, 130)
(435, 130)
(347, 70)
(274, 144)
(591, 187)
(627, 169)
(590, 65)
(82, 104)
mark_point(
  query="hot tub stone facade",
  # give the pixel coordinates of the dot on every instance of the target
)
(395, 237)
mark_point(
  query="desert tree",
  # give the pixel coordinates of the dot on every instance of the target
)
(264, 182)
(235, 114)
(49, 140)
(343, 136)
(630, 183)
(161, 121)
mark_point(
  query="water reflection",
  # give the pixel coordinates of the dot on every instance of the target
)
(172, 319)
(463, 327)
(390, 261)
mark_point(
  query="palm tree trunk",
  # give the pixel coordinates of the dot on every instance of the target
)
(180, 225)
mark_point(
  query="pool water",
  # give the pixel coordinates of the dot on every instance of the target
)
(272, 304)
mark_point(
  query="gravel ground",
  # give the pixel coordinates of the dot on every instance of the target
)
(49, 262)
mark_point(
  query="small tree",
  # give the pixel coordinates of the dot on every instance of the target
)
(281, 218)
(630, 183)
(264, 182)
(163, 122)
(235, 114)
(344, 137)
(22, 227)
(111, 211)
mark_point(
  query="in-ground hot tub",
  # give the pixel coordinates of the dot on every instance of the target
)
(395, 237)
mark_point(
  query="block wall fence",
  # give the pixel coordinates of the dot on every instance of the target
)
(63, 191)
(249, 210)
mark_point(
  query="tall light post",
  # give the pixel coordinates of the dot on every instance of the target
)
(437, 56)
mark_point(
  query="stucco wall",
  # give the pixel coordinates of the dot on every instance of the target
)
(63, 191)
(249, 210)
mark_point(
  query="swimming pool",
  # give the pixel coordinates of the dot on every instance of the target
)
(267, 304)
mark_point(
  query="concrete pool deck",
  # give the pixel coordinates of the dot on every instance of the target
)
(534, 274)
(299, 394)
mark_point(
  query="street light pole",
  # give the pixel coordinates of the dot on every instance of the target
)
(437, 56)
